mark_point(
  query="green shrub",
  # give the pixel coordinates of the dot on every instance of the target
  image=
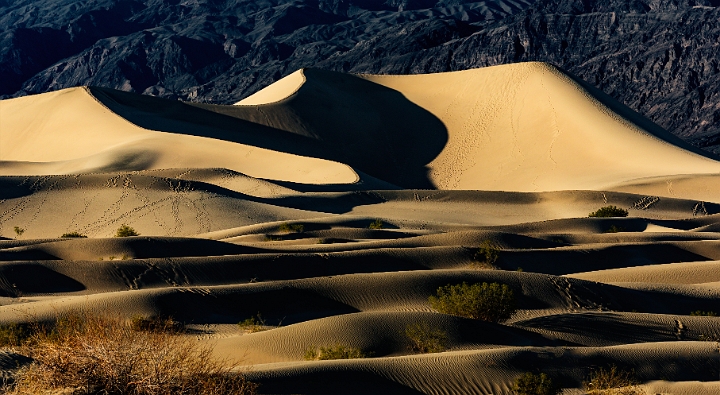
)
(377, 224)
(700, 313)
(487, 301)
(609, 211)
(424, 339)
(612, 381)
(334, 352)
(291, 228)
(535, 384)
(73, 234)
(19, 231)
(126, 231)
(487, 254)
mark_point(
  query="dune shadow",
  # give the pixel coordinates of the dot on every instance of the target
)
(333, 116)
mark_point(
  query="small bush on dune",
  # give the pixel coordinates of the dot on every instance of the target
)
(535, 384)
(98, 355)
(291, 228)
(155, 324)
(334, 352)
(424, 339)
(73, 234)
(487, 254)
(487, 301)
(126, 231)
(254, 324)
(700, 313)
(612, 381)
(18, 231)
(377, 224)
(609, 211)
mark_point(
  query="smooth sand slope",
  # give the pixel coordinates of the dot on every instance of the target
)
(328, 208)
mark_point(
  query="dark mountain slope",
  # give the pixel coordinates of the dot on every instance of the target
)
(659, 57)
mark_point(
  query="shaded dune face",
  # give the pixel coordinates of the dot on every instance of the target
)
(325, 210)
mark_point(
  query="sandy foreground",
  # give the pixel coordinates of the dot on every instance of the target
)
(265, 207)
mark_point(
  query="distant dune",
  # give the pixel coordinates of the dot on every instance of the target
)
(331, 206)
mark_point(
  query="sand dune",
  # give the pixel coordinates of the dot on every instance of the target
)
(329, 207)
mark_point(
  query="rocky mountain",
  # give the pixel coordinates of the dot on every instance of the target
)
(660, 57)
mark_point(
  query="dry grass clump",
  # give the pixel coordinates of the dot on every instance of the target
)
(492, 302)
(334, 352)
(535, 384)
(84, 354)
(425, 339)
(156, 324)
(612, 381)
(254, 324)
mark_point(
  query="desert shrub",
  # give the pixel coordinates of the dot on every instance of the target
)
(13, 335)
(425, 339)
(334, 352)
(126, 231)
(377, 224)
(487, 254)
(73, 234)
(98, 355)
(535, 384)
(487, 301)
(700, 313)
(615, 229)
(155, 324)
(18, 231)
(609, 211)
(291, 228)
(254, 324)
(612, 381)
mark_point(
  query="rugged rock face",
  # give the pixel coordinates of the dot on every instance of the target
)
(660, 57)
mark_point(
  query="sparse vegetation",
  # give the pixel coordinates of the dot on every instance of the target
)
(14, 335)
(487, 254)
(73, 234)
(612, 381)
(98, 355)
(291, 228)
(425, 339)
(609, 211)
(18, 231)
(615, 229)
(700, 313)
(492, 302)
(126, 231)
(535, 384)
(155, 324)
(377, 224)
(334, 352)
(254, 324)
(273, 238)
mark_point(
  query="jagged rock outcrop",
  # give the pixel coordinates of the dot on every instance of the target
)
(660, 57)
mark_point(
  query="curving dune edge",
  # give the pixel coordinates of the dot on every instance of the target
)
(329, 207)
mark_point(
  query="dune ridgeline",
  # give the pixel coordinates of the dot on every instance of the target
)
(323, 211)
